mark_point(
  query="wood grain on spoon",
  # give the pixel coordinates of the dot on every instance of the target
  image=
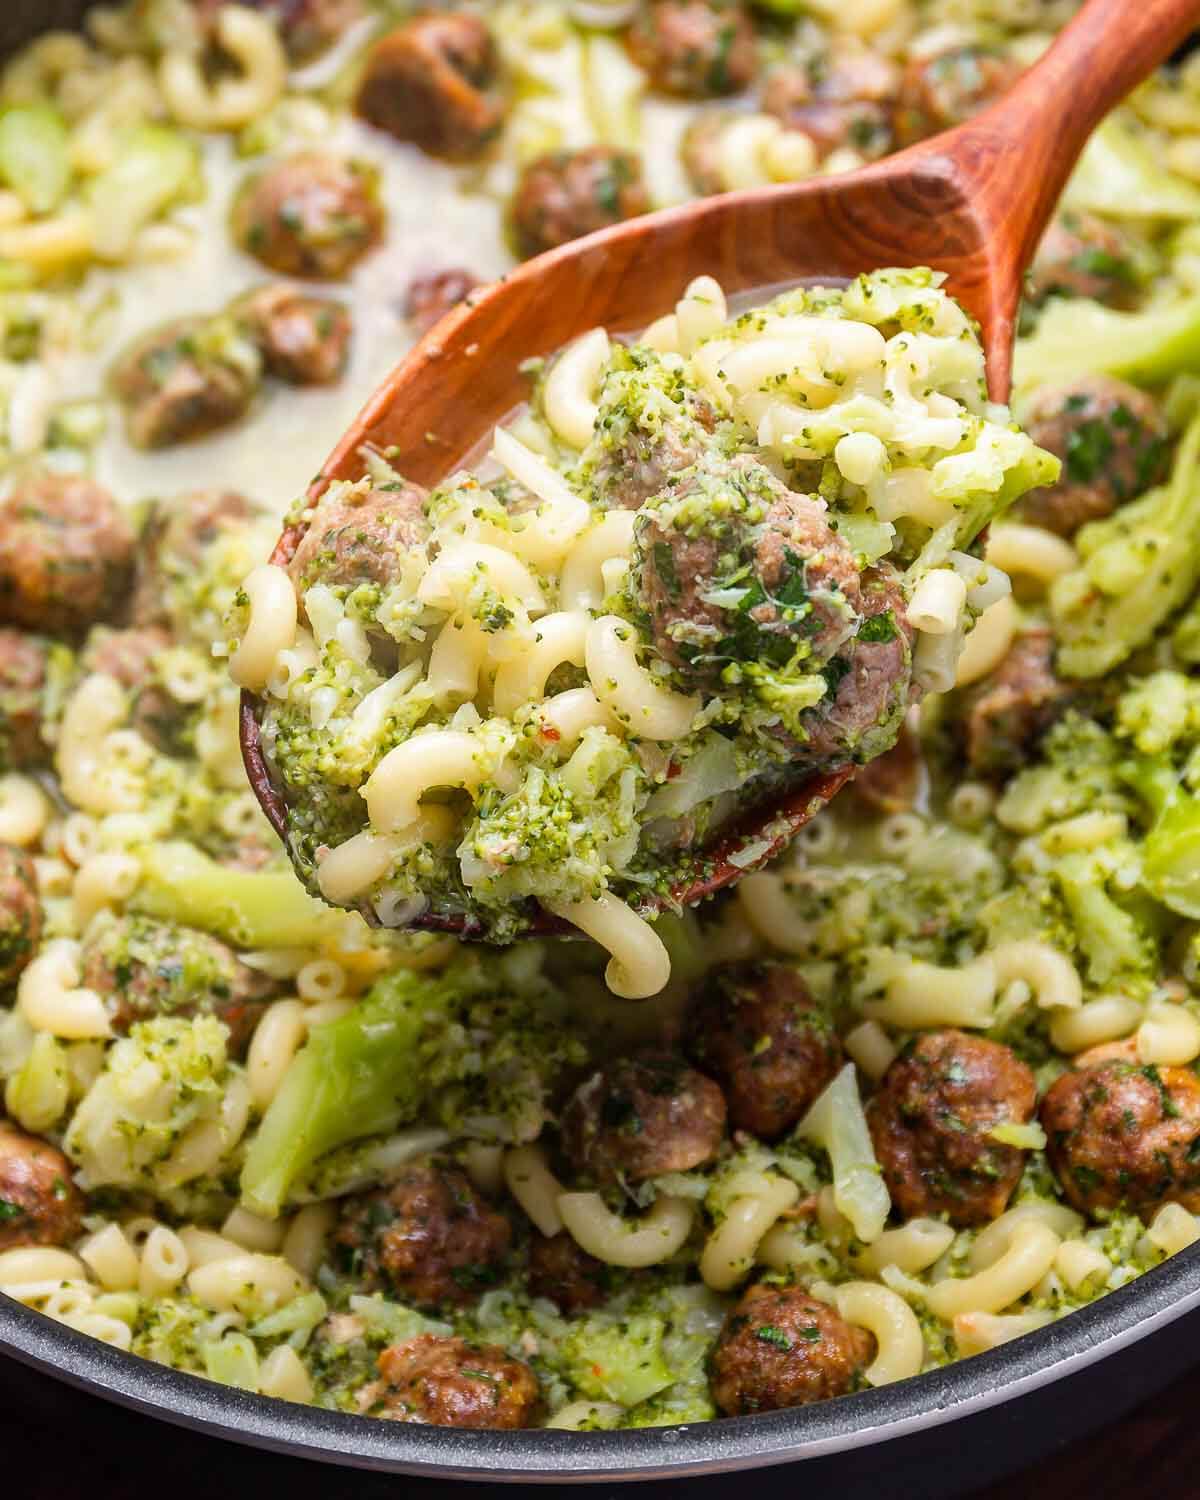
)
(972, 202)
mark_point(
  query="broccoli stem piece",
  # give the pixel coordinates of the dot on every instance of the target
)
(1075, 336)
(1171, 849)
(1119, 174)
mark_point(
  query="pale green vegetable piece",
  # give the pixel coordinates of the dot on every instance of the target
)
(1118, 174)
(621, 1362)
(1075, 336)
(154, 168)
(837, 1123)
(33, 156)
(232, 1360)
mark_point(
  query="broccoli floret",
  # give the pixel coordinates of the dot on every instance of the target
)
(1171, 849)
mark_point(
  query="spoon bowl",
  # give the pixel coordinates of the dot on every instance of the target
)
(972, 203)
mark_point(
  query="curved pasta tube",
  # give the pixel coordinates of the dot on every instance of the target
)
(1169, 1036)
(446, 757)
(569, 393)
(646, 1241)
(1077, 1261)
(1173, 1229)
(640, 965)
(976, 1332)
(252, 42)
(459, 651)
(582, 583)
(702, 310)
(899, 1344)
(913, 1247)
(919, 995)
(566, 716)
(994, 1239)
(543, 538)
(24, 811)
(1030, 1254)
(270, 629)
(988, 642)
(245, 1283)
(535, 1187)
(647, 710)
(728, 1255)
(1107, 1019)
(937, 602)
(459, 567)
(1051, 976)
(870, 1047)
(557, 639)
(50, 998)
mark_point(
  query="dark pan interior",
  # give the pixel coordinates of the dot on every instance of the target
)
(22, 19)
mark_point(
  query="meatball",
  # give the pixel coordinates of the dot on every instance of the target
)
(361, 538)
(1082, 256)
(131, 656)
(24, 662)
(450, 1383)
(567, 194)
(1012, 707)
(566, 1275)
(890, 782)
(186, 380)
(304, 340)
(781, 1347)
(941, 91)
(756, 1029)
(306, 27)
(434, 82)
(1123, 1136)
(641, 1116)
(931, 1123)
(143, 968)
(696, 48)
(430, 298)
(313, 215)
(1113, 442)
(175, 541)
(640, 459)
(844, 99)
(20, 913)
(39, 1202)
(428, 1237)
(66, 552)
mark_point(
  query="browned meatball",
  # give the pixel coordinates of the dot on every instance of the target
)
(566, 1275)
(66, 551)
(131, 657)
(1113, 442)
(941, 91)
(1082, 256)
(143, 968)
(931, 1121)
(1123, 1136)
(175, 539)
(756, 1029)
(781, 1347)
(845, 98)
(448, 1382)
(313, 215)
(428, 1237)
(186, 380)
(697, 48)
(890, 782)
(304, 340)
(430, 298)
(24, 661)
(567, 194)
(39, 1202)
(20, 913)
(435, 81)
(1012, 707)
(641, 1116)
(361, 538)
(306, 27)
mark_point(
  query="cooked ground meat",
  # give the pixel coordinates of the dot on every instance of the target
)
(20, 914)
(306, 27)
(430, 298)
(568, 1276)
(641, 458)
(314, 215)
(24, 660)
(451, 1383)
(931, 1121)
(304, 340)
(185, 381)
(1012, 707)
(428, 1237)
(435, 81)
(567, 194)
(130, 656)
(696, 48)
(782, 1347)
(1113, 442)
(756, 1029)
(175, 539)
(941, 91)
(1123, 1136)
(641, 1116)
(361, 538)
(844, 99)
(1082, 256)
(143, 968)
(890, 782)
(39, 1202)
(66, 551)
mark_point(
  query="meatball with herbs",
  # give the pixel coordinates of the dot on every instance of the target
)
(941, 91)
(757, 1030)
(1113, 442)
(448, 1382)
(428, 1237)
(699, 49)
(312, 216)
(24, 665)
(567, 194)
(360, 537)
(20, 913)
(1008, 711)
(567, 1275)
(889, 783)
(304, 340)
(176, 540)
(933, 1122)
(39, 1202)
(66, 554)
(781, 1347)
(142, 968)
(1082, 256)
(1123, 1136)
(842, 99)
(435, 81)
(430, 298)
(185, 381)
(641, 1116)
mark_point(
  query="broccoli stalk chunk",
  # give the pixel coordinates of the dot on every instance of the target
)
(1139, 565)
(1171, 849)
(1119, 174)
(837, 1123)
(1076, 336)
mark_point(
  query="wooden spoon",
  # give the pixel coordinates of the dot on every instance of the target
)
(972, 202)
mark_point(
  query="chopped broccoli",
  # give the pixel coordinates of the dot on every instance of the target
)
(1171, 849)
(1120, 174)
(1076, 336)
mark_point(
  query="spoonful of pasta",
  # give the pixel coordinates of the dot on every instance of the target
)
(609, 588)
